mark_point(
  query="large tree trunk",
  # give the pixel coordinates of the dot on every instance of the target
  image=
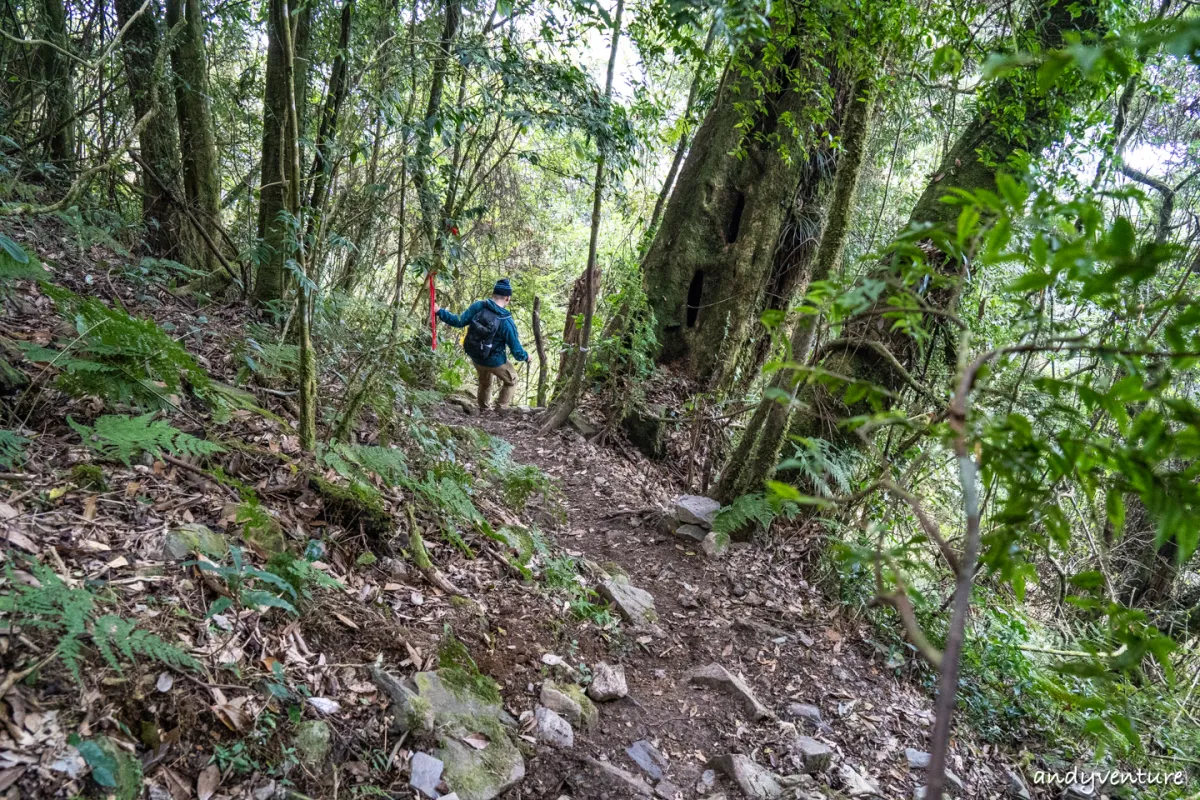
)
(1013, 116)
(198, 144)
(58, 125)
(166, 232)
(757, 453)
(273, 229)
(711, 258)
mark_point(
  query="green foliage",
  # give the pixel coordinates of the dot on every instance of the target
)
(460, 672)
(750, 510)
(561, 575)
(271, 361)
(120, 438)
(16, 264)
(71, 614)
(119, 358)
(112, 767)
(517, 482)
(89, 477)
(12, 449)
(252, 587)
(300, 574)
(358, 462)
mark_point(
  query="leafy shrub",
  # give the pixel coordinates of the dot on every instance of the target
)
(16, 264)
(72, 615)
(120, 438)
(250, 586)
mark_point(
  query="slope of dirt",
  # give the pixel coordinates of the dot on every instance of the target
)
(225, 731)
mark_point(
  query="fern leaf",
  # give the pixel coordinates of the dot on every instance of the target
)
(12, 449)
(120, 438)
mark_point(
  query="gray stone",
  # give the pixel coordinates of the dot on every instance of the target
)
(1016, 786)
(312, 741)
(628, 784)
(553, 729)
(634, 604)
(608, 683)
(856, 784)
(570, 701)
(717, 677)
(645, 426)
(953, 787)
(426, 774)
(691, 533)
(807, 713)
(192, 539)
(424, 705)
(585, 428)
(1079, 791)
(955, 783)
(814, 756)
(715, 544)
(706, 782)
(646, 756)
(758, 783)
(696, 510)
(917, 759)
(667, 791)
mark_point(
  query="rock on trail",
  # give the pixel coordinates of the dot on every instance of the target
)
(714, 676)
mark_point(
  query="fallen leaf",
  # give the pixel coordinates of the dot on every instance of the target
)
(176, 785)
(234, 718)
(59, 491)
(207, 783)
(349, 623)
(8, 512)
(89, 508)
(417, 598)
(393, 587)
(118, 562)
(165, 681)
(22, 541)
(325, 705)
(477, 740)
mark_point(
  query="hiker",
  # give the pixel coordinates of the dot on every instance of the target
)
(490, 329)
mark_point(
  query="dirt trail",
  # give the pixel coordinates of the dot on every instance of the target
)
(753, 612)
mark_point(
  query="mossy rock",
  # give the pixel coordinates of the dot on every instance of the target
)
(645, 426)
(265, 539)
(89, 477)
(312, 741)
(193, 538)
(354, 505)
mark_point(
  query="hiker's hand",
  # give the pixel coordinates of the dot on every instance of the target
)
(436, 307)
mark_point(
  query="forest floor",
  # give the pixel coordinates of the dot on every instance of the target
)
(755, 611)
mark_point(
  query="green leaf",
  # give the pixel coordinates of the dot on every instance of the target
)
(104, 767)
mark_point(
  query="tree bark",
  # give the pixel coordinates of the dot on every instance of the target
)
(541, 352)
(58, 126)
(273, 230)
(198, 144)
(565, 404)
(142, 47)
(756, 455)
(335, 94)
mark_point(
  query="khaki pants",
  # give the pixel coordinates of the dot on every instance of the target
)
(508, 384)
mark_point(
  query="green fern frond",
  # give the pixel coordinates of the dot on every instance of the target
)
(358, 462)
(120, 438)
(12, 449)
(742, 512)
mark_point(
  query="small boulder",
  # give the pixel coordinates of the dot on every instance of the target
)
(665, 790)
(715, 544)
(758, 783)
(626, 783)
(696, 509)
(815, 757)
(634, 604)
(645, 426)
(193, 539)
(608, 683)
(917, 759)
(807, 713)
(707, 782)
(426, 774)
(691, 533)
(646, 756)
(553, 729)
(313, 741)
(570, 702)
(1016, 785)
(585, 428)
(717, 677)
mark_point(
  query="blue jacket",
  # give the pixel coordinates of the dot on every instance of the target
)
(507, 335)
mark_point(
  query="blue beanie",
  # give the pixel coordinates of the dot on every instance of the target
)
(502, 288)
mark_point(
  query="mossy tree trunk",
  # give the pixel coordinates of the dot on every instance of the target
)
(280, 93)
(754, 459)
(58, 126)
(198, 144)
(712, 256)
(1014, 118)
(145, 67)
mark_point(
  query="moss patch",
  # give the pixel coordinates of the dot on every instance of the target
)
(461, 674)
(354, 505)
(89, 476)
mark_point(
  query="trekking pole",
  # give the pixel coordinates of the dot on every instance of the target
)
(527, 370)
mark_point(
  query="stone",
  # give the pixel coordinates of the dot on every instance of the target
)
(426, 774)
(696, 509)
(646, 756)
(608, 683)
(717, 677)
(1079, 791)
(1016, 785)
(953, 787)
(570, 701)
(667, 791)
(757, 783)
(585, 428)
(440, 707)
(553, 729)
(634, 604)
(313, 741)
(815, 757)
(628, 784)
(715, 544)
(191, 539)
(691, 533)
(807, 713)
(855, 784)
(706, 782)
(917, 759)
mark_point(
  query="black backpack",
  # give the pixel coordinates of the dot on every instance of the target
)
(482, 334)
